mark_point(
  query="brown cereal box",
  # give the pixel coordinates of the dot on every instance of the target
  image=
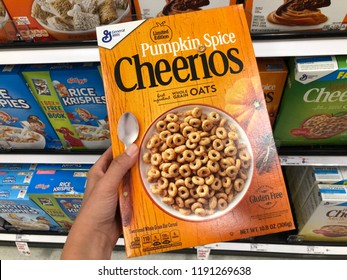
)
(208, 170)
(279, 16)
(66, 20)
(273, 74)
(150, 9)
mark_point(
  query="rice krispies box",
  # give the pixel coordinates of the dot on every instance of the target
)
(23, 124)
(207, 170)
(148, 9)
(59, 192)
(16, 177)
(281, 16)
(67, 20)
(38, 79)
(81, 92)
(313, 110)
(21, 212)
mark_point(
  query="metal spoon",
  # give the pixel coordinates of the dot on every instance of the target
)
(128, 131)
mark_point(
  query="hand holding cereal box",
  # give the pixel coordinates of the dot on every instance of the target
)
(207, 160)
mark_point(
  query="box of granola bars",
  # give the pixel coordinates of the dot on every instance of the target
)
(295, 16)
(207, 160)
(148, 9)
(66, 20)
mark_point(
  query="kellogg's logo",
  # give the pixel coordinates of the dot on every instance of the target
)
(160, 32)
(266, 197)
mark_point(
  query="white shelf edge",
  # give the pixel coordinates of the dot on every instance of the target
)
(313, 160)
(49, 158)
(262, 48)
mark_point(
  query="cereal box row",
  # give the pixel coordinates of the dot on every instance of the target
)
(57, 106)
(42, 197)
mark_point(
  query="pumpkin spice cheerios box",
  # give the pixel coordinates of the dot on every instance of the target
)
(207, 170)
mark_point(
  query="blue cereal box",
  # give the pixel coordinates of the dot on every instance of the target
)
(15, 177)
(23, 124)
(81, 92)
(65, 187)
(21, 212)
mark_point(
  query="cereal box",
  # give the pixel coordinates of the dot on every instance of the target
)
(17, 166)
(39, 81)
(331, 175)
(148, 9)
(81, 92)
(21, 212)
(67, 20)
(278, 16)
(323, 217)
(63, 166)
(207, 161)
(23, 124)
(273, 74)
(15, 177)
(313, 109)
(59, 193)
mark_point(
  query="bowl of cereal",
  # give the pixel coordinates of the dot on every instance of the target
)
(196, 162)
(21, 138)
(77, 20)
(93, 137)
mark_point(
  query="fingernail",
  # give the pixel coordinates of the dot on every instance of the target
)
(131, 150)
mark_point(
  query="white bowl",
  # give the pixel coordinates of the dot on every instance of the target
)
(157, 199)
(24, 139)
(99, 141)
(64, 35)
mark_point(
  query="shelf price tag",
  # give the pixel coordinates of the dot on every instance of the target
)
(258, 247)
(23, 248)
(317, 250)
(203, 252)
(293, 160)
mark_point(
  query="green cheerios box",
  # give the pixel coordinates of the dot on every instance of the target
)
(313, 109)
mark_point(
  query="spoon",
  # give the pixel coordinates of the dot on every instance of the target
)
(128, 131)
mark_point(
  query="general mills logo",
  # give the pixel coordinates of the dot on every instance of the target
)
(303, 77)
(107, 36)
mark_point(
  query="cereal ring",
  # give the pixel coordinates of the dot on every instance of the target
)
(223, 122)
(233, 135)
(191, 145)
(213, 166)
(244, 155)
(193, 193)
(198, 180)
(146, 157)
(178, 139)
(188, 202)
(196, 112)
(162, 147)
(171, 117)
(170, 141)
(199, 150)
(209, 179)
(217, 184)
(180, 149)
(155, 189)
(188, 155)
(168, 200)
(204, 159)
(243, 174)
(196, 164)
(200, 212)
(156, 159)
(203, 172)
(221, 133)
(226, 182)
(184, 170)
(202, 191)
(195, 122)
(180, 182)
(239, 184)
(180, 158)
(221, 195)
(230, 197)
(194, 137)
(214, 117)
(195, 205)
(164, 135)
(172, 190)
(163, 183)
(203, 201)
(188, 129)
(214, 155)
(218, 144)
(212, 203)
(232, 172)
(205, 141)
(207, 125)
(222, 204)
(185, 211)
(230, 151)
(179, 201)
(173, 170)
(161, 126)
(173, 127)
(183, 192)
(153, 173)
(168, 154)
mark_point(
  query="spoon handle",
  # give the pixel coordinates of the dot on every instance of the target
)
(126, 204)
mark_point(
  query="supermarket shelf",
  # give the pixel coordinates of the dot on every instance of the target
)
(313, 160)
(90, 53)
(217, 248)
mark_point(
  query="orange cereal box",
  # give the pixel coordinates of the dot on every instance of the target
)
(273, 75)
(207, 170)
